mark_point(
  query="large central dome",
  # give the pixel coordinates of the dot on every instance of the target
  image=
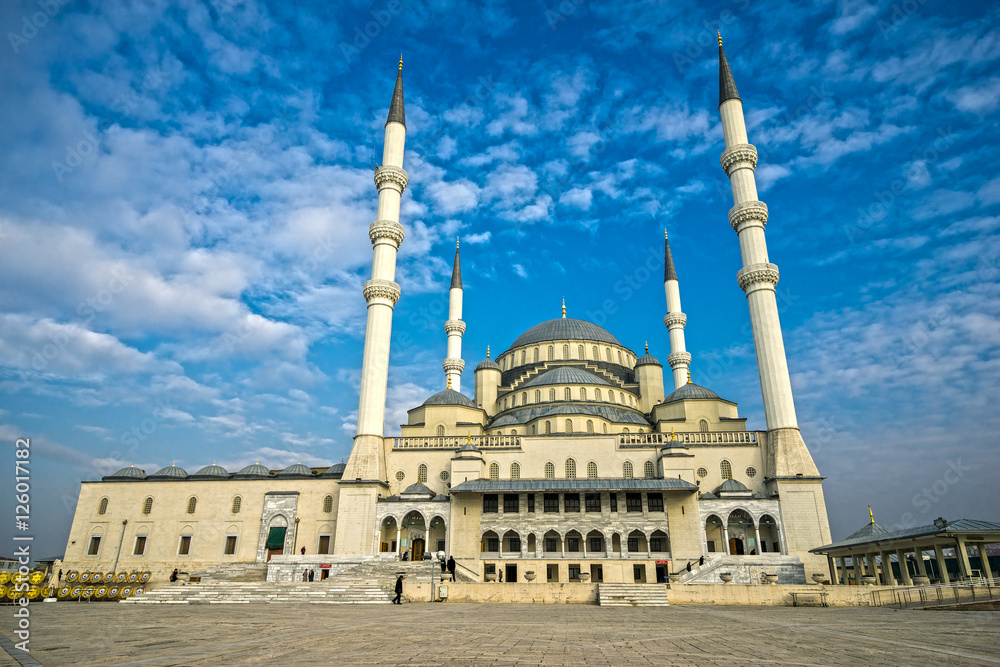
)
(564, 328)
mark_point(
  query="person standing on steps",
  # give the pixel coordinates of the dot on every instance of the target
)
(399, 591)
(312, 573)
(451, 567)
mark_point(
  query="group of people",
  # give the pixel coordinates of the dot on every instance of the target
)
(446, 566)
(308, 575)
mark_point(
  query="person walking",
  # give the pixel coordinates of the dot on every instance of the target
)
(399, 591)
(312, 573)
(451, 567)
(305, 575)
(173, 575)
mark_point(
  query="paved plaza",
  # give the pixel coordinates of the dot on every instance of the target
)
(474, 634)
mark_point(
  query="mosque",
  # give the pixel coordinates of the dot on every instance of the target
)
(575, 458)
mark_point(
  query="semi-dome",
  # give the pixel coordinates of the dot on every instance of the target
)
(296, 470)
(212, 471)
(418, 489)
(450, 397)
(129, 473)
(253, 470)
(564, 375)
(731, 486)
(690, 390)
(336, 471)
(564, 328)
(170, 472)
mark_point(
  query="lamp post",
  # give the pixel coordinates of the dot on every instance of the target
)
(120, 541)
(434, 565)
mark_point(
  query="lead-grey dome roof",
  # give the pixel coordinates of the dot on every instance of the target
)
(131, 472)
(611, 413)
(212, 471)
(336, 470)
(564, 328)
(170, 472)
(418, 488)
(450, 397)
(690, 390)
(647, 359)
(731, 485)
(564, 375)
(296, 470)
(487, 363)
(254, 470)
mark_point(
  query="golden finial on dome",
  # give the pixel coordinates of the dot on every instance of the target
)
(564, 307)
(401, 60)
(673, 436)
(449, 381)
(647, 347)
(468, 438)
(487, 351)
(456, 243)
(718, 32)
(664, 233)
(689, 377)
(871, 516)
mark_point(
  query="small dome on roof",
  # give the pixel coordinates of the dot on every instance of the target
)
(170, 472)
(731, 485)
(648, 360)
(212, 471)
(450, 397)
(565, 375)
(296, 470)
(254, 470)
(690, 390)
(336, 470)
(487, 363)
(468, 447)
(417, 489)
(130, 472)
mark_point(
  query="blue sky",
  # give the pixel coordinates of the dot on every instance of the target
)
(185, 192)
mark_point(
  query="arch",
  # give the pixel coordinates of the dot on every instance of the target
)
(583, 393)
(620, 361)
(565, 352)
(626, 430)
(102, 506)
(770, 539)
(605, 427)
(524, 355)
(740, 527)
(616, 543)
(607, 354)
(703, 426)
(573, 542)
(590, 426)
(147, 505)
(504, 403)
(621, 398)
(511, 542)
(422, 473)
(551, 353)
(648, 470)
(233, 530)
(595, 542)
(548, 427)
(569, 425)
(579, 352)
(513, 400)
(627, 470)
(597, 394)
(570, 468)
(552, 542)
(591, 470)
(278, 521)
(536, 355)
(490, 542)
(524, 398)
(659, 542)
(611, 396)
(538, 396)
(494, 470)
(550, 469)
(726, 468)
(637, 542)
(534, 429)
(513, 431)
(327, 504)
(192, 505)
(532, 544)
(237, 504)
(567, 394)
(515, 470)
(440, 430)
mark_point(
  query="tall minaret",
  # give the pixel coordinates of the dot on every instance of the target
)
(365, 474)
(790, 471)
(679, 358)
(454, 327)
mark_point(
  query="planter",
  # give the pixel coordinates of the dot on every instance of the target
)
(584, 577)
(491, 576)
(770, 578)
(726, 577)
(819, 578)
(921, 581)
(868, 581)
(529, 575)
(674, 578)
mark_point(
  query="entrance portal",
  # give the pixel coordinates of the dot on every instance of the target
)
(418, 549)
(736, 546)
(510, 574)
(661, 573)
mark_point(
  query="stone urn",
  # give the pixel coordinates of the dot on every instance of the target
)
(529, 575)
(819, 578)
(921, 581)
(491, 576)
(868, 581)
(770, 578)
(726, 577)
(674, 578)
(584, 577)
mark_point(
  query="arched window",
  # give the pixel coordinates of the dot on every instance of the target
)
(548, 427)
(579, 351)
(524, 398)
(147, 505)
(538, 396)
(534, 429)
(605, 428)
(649, 470)
(327, 504)
(590, 426)
(536, 355)
(607, 354)
(513, 431)
(552, 353)
(422, 473)
(102, 506)
(550, 470)
(703, 426)
(494, 470)
(627, 470)
(626, 430)
(621, 398)
(524, 355)
(597, 355)
(567, 394)
(583, 393)
(440, 429)
(611, 396)
(592, 470)
(515, 470)
(513, 400)
(237, 503)
(192, 504)
(565, 352)
(597, 394)
(569, 425)
(505, 404)
(570, 468)
(622, 363)
(552, 394)
(726, 469)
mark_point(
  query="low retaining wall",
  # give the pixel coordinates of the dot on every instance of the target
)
(505, 593)
(769, 595)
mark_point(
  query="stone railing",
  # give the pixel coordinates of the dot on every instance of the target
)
(693, 438)
(458, 441)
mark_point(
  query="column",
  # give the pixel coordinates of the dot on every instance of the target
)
(904, 570)
(888, 578)
(963, 559)
(399, 539)
(756, 532)
(987, 570)
(942, 566)
(921, 566)
(843, 570)
(833, 568)
(725, 539)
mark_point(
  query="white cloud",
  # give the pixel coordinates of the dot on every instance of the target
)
(580, 198)
(519, 271)
(979, 98)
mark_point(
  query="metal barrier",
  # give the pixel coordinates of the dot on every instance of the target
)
(975, 590)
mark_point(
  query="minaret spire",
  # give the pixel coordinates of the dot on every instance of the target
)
(727, 86)
(455, 327)
(679, 358)
(365, 473)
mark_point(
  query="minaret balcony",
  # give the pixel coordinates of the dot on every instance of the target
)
(454, 327)
(748, 214)
(384, 290)
(457, 365)
(740, 156)
(681, 359)
(386, 229)
(757, 276)
(675, 320)
(388, 176)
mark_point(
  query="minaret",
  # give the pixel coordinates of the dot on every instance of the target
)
(365, 474)
(790, 471)
(454, 328)
(679, 358)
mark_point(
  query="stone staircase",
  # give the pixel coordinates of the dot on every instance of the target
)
(747, 569)
(367, 582)
(632, 595)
